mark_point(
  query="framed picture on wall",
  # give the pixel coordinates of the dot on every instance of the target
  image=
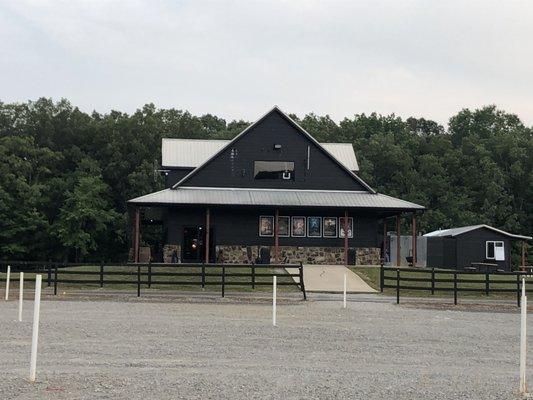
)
(341, 227)
(329, 227)
(314, 226)
(283, 230)
(298, 226)
(266, 225)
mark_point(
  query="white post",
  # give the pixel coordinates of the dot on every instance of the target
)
(35, 334)
(21, 294)
(344, 293)
(523, 339)
(8, 276)
(274, 284)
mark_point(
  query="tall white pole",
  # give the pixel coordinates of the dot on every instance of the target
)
(35, 334)
(523, 339)
(344, 293)
(274, 284)
(21, 294)
(8, 277)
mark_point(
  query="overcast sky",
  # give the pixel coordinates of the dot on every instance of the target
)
(237, 59)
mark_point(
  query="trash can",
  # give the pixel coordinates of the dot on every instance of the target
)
(264, 255)
(352, 254)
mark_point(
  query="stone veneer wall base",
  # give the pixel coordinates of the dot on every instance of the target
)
(297, 254)
(168, 250)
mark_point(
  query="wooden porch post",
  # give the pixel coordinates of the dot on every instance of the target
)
(276, 237)
(398, 237)
(414, 240)
(384, 245)
(207, 232)
(346, 237)
(136, 235)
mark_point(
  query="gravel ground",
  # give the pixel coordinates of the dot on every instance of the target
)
(229, 350)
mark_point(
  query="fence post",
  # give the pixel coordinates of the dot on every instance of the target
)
(55, 280)
(455, 288)
(518, 289)
(8, 276)
(49, 277)
(203, 276)
(432, 281)
(397, 285)
(344, 292)
(523, 340)
(138, 280)
(223, 279)
(487, 282)
(253, 275)
(302, 283)
(21, 294)
(150, 274)
(35, 330)
(102, 275)
(381, 277)
(274, 290)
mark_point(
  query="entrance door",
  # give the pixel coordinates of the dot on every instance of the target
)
(193, 243)
(193, 246)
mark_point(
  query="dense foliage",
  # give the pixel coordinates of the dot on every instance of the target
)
(65, 175)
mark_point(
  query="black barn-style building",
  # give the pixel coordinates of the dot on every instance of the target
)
(272, 194)
(457, 248)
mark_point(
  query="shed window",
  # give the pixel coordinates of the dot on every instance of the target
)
(494, 250)
(283, 170)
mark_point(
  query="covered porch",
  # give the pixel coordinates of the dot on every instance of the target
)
(260, 226)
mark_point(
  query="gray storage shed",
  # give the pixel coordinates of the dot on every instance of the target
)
(458, 248)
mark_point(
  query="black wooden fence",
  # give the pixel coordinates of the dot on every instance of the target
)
(146, 275)
(453, 281)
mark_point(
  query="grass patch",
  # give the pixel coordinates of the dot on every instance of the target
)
(469, 285)
(175, 277)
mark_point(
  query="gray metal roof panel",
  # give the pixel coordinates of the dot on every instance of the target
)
(452, 232)
(275, 197)
(344, 153)
(191, 153)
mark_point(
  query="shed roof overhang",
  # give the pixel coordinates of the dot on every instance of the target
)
(453, 232)
(277, 198)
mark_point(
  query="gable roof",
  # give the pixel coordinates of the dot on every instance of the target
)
(453, 232)
(191, 153)
(294, 124)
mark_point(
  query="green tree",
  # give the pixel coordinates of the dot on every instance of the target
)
(85, 216)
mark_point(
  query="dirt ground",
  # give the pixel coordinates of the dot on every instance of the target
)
(223, 349)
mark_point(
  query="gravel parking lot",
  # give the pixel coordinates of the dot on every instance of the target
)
(226, 350)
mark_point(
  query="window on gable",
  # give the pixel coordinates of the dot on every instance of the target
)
(282, 170)
(494, 250)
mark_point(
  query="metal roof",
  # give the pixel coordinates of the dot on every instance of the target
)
(464, 229)
(191, 153)
(274, 197)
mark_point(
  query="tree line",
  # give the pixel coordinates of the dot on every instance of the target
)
(65, 175)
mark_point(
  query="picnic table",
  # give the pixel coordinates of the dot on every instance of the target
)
(483, 267)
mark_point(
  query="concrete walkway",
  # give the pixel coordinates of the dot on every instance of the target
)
(329, 278)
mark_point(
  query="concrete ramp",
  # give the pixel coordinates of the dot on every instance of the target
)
(329, 278)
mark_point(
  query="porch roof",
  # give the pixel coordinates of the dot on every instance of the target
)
(275, 197)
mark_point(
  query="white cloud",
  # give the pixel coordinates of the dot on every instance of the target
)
(237, 59)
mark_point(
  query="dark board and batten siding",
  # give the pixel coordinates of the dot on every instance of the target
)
(174, 175)
(241, 227)
(471, 247)
(234, 167)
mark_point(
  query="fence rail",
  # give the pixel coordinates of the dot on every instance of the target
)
(146, 275)
(456, 281)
